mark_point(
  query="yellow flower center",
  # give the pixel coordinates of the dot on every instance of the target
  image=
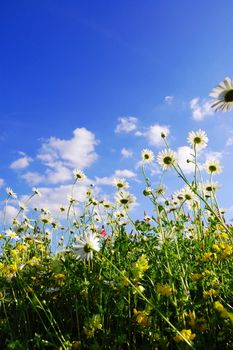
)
(197, 139)
(229, 96)
(167, 160)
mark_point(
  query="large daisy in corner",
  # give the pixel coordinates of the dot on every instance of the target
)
(223, 94)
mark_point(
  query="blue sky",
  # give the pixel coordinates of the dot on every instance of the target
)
(82, 80)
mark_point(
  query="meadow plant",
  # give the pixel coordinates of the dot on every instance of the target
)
(101, 280)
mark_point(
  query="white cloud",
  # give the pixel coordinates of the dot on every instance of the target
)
(61, 156)
(200, 108)
(126, 124)
(108, 180)
(211, 155)
(8, 214)
(77, 152)
(59, 174)
(229, 141)
(185, 153)
(168, 99)
(125, 173)
(153, 134)
(52, 198)
(2, 182)
(33, 178)
(21, 163)
(126, 153)
(139, 133)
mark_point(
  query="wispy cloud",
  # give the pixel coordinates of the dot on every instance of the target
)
(126, 124)
(185, 153)
(126, 153)
(119, 173)
(55, 197)
(200, 108)
(33, 178)
(168, 99)
(61, 156)
(8, 213)
(153, 134)
(2, 182)
(229, 141)
(21, 163)
(79, 151)
(125, 173)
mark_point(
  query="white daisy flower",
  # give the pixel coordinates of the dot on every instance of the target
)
(197, 139)
(36, 191)
(86, 245)
(125, 198)
(106, 203)
(160, 190)
(178, 196)
(11, 234)
(188, 194)
(45, 211)
(71, 199)
(11, 193)
(93, 201)
(22, 206)
(167, 158)
(209, 188)
(120, 183)
(213, 166)
(46, 219)
(223, 94)
(79, 175)
(147, 156)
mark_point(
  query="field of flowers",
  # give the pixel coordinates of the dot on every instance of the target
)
(111, 282)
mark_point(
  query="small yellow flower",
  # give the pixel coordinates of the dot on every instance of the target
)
(197, 277)
(59, 276)
(218, 306)
(34, 261)
(223, 236)
(142, 318)
(164, 289)
(139, 267)
(210, 293)
(89, 332)
(208, 256)
(21, 247)
(186, 334)
(216, 248)
(76, 344)
(223, 311)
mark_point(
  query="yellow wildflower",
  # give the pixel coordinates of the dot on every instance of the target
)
(34, 261)
(197, 277)
(142, 318)
(89, 332)
(223, 236)
(218, 306)
(59, 276)
(186, 334)
(222, 311)
(208, 256)
(139, 267)
(210, 293)
(164, 289)
(21, 247)
(216, 248)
